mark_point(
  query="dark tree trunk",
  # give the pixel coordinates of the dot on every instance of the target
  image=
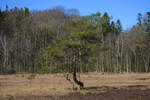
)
(75, 76)
(76, 80)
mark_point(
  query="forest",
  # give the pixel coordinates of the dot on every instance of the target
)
(59, 40)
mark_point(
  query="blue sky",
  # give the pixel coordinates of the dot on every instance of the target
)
(125, 10)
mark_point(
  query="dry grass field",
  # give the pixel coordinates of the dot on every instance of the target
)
(56, 87)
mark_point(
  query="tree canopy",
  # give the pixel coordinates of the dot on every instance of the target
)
(49, 41)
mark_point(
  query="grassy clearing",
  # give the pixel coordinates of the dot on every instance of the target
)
(52, 84)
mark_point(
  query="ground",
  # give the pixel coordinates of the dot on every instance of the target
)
(55, 87)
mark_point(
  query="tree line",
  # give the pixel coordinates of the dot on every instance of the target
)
(59, 41)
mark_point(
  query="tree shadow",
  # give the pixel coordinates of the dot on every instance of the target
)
(111, 88)
(137, 87)
(98, 89)
(143, 79)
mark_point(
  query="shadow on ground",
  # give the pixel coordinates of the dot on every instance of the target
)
(143, 78)
(136, 92)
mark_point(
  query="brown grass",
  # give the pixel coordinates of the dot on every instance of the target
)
(48, 84)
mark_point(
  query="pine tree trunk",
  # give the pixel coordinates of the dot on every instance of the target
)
(79, 83)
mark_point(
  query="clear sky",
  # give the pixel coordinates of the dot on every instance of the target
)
(125, 10)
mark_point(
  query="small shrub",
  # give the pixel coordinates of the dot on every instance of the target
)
(32, 76)
(44, 70)
(31, 70)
